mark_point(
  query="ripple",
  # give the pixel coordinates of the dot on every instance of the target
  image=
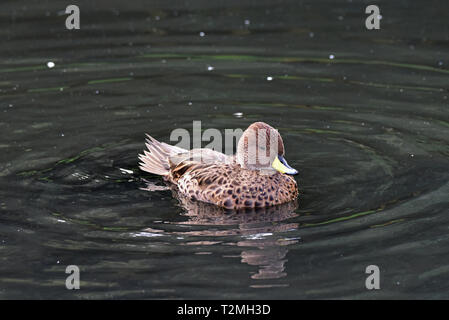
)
(368, 131)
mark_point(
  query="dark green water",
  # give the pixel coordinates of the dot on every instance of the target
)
(368, 131)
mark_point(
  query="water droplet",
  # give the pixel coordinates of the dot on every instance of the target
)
(247, 22)
(50, 64)
(190, 103)
(202, 34)
(331, 56)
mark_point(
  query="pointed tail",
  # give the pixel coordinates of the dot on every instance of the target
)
(157, 159)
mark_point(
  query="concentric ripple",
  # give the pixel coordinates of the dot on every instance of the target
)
(363, 116)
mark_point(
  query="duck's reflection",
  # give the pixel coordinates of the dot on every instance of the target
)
(270, 260)
(262, 230)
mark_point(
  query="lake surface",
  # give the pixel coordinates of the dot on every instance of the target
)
(363, 114)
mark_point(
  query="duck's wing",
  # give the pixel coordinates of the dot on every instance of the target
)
(196, 161)
(204, 156)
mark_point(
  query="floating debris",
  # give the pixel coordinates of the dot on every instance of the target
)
(50, 64)
(269, 78)
(238, 114)
(126, 171)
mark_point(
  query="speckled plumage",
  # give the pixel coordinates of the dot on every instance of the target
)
(212, 177)
(231, 186)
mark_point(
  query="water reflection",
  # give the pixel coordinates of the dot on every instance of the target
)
(261, 230)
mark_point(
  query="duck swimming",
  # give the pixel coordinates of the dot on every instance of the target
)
(256, 176)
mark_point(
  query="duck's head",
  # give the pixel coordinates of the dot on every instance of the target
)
(261, 148)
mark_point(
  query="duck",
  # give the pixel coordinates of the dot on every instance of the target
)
(256, 176)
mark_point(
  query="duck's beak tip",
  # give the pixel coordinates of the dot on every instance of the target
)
(281, 165)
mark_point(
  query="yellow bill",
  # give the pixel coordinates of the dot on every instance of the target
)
(282, 166)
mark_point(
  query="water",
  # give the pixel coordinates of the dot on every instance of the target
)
(364, 117)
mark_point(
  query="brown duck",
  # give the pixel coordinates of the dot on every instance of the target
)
(256, 176)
